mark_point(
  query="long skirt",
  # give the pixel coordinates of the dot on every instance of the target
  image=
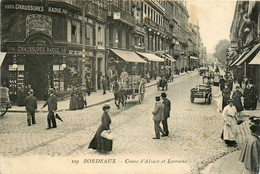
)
(73, 103)
(230, 132)
(225, 102)
(101, 144)
(238, 104)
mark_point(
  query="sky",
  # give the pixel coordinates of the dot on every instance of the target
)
(214, 18)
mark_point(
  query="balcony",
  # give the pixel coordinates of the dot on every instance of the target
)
(156, 4)
(152, 24)
(122, 16)
(139, 30)
(96, 11)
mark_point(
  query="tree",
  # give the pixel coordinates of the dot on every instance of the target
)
(220, 51)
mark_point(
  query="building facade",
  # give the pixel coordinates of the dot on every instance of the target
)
(245, 38)
(50, 43)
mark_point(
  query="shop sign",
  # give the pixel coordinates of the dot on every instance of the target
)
(38, 23)
(24, 7)
(57, 10)
(45, 49)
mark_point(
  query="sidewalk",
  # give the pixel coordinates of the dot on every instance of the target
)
(227, 164)
(95, 98)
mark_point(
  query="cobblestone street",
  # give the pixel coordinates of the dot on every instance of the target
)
(194, 137)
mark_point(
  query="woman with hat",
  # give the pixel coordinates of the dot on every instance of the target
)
(229, 126)
(100, 143)
(226, 96)
(237, 94)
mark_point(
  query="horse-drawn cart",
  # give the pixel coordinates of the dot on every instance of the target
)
(132, 87)
(5, 103)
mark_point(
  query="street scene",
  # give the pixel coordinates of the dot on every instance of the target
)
(129, 86)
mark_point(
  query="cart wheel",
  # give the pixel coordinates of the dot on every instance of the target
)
(209, 99)
(192, 99)
(3, 109)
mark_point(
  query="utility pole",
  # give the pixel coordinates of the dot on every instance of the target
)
(83, 83)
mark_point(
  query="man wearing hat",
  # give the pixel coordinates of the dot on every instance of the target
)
(52, 107)
(30, 106)
(158, 116)
(167, 109)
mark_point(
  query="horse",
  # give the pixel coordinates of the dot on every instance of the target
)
(119, 94)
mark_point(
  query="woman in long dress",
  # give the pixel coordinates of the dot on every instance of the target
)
(226, 96)
(229, 126)
(73, 100)
(237, 99)
(99, 143)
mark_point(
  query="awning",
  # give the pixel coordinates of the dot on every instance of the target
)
(194, 58)
(128, 56)
(256, 60)
(239, 58)
(151, 57)
(171, 58)
(248, 54)
(2, 57)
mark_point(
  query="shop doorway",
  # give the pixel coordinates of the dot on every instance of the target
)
(37, 74)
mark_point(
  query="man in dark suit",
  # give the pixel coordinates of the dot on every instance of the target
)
(167, 109)
(158, 116)
(30, 106)
(253, 97)
(52, 107)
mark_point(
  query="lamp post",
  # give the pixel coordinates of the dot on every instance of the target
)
(83, 81)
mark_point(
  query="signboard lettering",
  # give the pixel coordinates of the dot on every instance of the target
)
(57, 10)
(24, 7)
(39, 49)
(38, 23)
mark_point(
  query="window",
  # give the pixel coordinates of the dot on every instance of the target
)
(89, 35)
(145, 9)
(73, 29)
(99, 37)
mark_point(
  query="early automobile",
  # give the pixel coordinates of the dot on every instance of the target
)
(163, 83)
(5, 103)
(201, 91)
(203, 70)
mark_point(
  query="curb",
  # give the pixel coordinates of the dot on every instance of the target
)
(101, 102)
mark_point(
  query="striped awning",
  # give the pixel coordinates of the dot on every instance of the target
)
(248, 54)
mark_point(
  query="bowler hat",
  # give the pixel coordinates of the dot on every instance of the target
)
(157, 98)
(164, 94)
(106, 106)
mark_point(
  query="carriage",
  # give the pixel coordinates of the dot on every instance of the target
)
(162, 83)
(133, 86)
(5, 103)
(201, 91)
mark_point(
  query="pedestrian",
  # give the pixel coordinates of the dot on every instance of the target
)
(104, 85)
(73, 99)
(250, 153)
(229, 126)
(158, 116)
(52, 107)
(31, 107)
(226, 96)
(237, 94)
(230, 83)
(21, 96)
(167, 109)
(253, 97)
(88, 85)
(100, 143)
(81, 100)
(247, 97)
(222, 83)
